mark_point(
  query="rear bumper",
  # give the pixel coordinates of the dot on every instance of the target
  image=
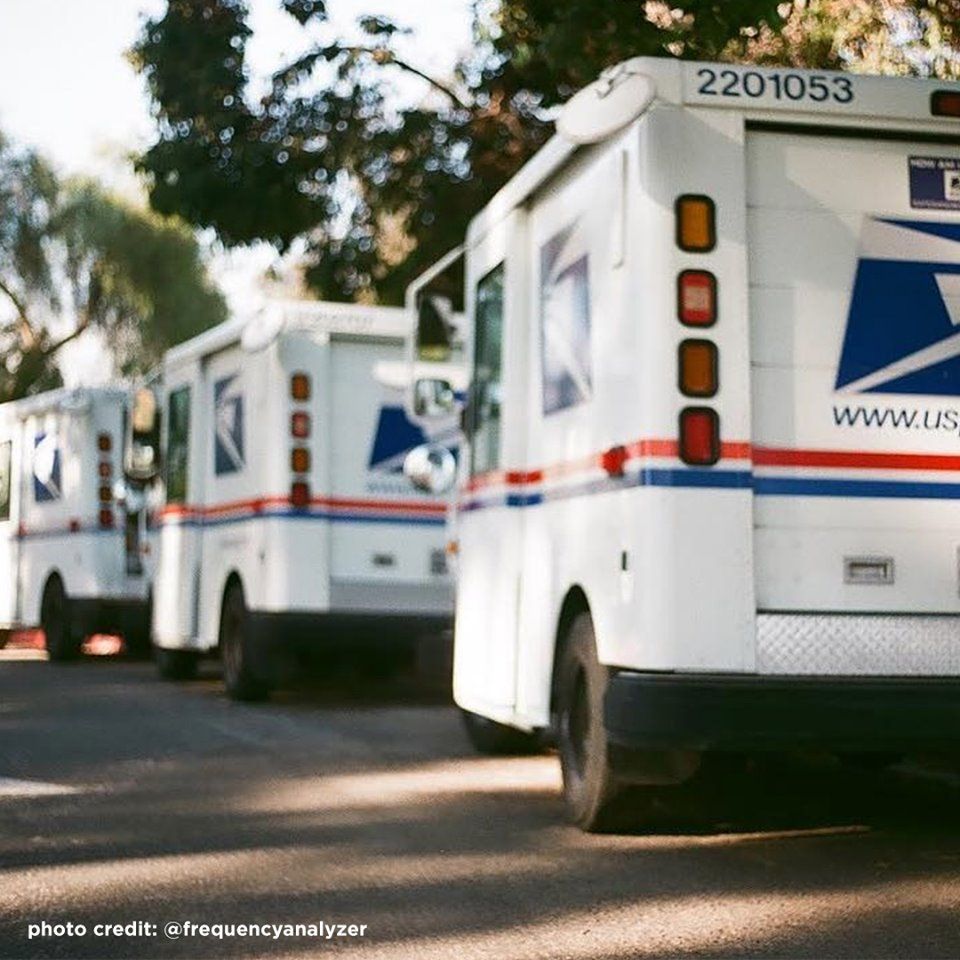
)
(739, 712)
(277, 642)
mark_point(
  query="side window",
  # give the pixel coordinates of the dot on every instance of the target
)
(487, 372)
(6, 450)
(565, 320)
(178, 444)
(228, 447)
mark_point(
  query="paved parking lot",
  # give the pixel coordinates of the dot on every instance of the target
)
(124, 799)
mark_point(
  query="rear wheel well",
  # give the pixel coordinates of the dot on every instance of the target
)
(574, 603)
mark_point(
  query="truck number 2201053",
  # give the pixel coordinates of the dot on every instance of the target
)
(782, 86)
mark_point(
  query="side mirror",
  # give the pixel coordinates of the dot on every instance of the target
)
(433, 398)
(431, 468)
(141, 459)
(129, 497)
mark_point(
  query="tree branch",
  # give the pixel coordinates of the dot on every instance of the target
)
(384, 57)
(27, 333)
(54, 347)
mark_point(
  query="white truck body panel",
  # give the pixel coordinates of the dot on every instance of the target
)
(366, 543)
(824, 541)
(50, 504)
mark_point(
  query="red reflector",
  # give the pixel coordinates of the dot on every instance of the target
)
(104, 442)
(945, 103)
(300, 425)
(614, 460)
(300, 494)
(106, 518)
(699, 436)
(697, 298)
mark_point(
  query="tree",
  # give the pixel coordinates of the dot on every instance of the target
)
(380, 191)
(73, 257)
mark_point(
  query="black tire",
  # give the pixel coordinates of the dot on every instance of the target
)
(56, 623)
(136, 634)
(497, 739)
(239, 680)
(176, 664)
(590, 786)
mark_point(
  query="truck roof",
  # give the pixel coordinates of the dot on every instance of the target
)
(336, 319)
(874, 102)
(63, 398)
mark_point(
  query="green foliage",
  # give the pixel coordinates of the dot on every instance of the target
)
(74, 257)
(379, 192)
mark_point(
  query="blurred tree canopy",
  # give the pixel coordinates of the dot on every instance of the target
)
(73, 257)
(379, 191)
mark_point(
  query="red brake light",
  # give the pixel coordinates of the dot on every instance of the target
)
(945, 103)
(300, 494)
(699, 436)
(300, 425)
(697, 298)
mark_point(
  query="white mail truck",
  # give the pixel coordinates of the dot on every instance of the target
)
(287, 525)
(74, 555)
(711, 495)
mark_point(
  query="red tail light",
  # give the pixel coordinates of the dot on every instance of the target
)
(699, 436)
(300, 425)
(300, 494)
(697, 298)
(945, 103)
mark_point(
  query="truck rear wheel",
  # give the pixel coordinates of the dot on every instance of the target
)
(590, 786)
(176, 664)
(240, 681)
(497, 739)
(56, 624)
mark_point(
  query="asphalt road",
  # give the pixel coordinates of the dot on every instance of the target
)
(125, 799)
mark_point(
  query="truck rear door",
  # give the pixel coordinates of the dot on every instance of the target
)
(854, 273)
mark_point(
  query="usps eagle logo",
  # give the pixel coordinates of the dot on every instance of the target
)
(46, 468)
(228, 420)
(396, 435)
(903, 326)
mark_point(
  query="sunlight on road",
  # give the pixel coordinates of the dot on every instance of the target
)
(410, 785)
(10, 787)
